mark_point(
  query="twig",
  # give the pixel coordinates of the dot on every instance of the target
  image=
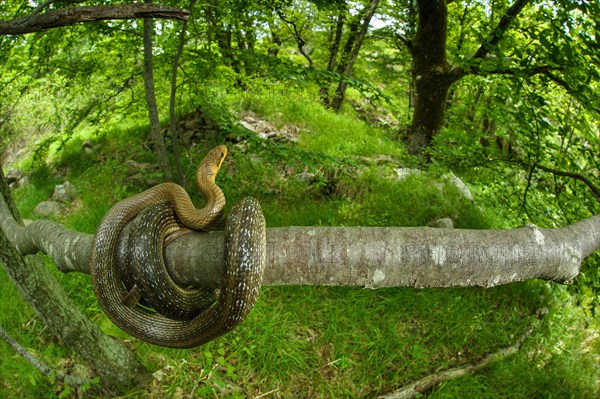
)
(577, 176)
(501, 28)
(266, 393)
(433, 380)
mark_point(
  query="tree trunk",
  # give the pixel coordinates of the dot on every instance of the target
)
(334, 47)
(172, 117)
(432, 73)
(111, 359)
(348, 64)
(155, 133)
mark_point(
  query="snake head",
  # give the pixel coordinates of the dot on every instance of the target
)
(212, 162)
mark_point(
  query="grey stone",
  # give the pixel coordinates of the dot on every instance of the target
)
(16, 178)
(247, 125)
(462, 187)
(64, 193)
(403, 173)
(48, 208)
(443, 223)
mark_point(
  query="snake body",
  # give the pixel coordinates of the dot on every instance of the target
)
(244, 259)
(148, 272)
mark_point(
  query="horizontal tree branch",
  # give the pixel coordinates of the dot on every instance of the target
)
(372, 257)
(70, 16)
(475, 69)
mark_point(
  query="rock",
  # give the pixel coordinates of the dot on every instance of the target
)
(266, 131)
(403, 173)
(307, 176)
(87, 146)
(48, 208)
(192, 124)
(380, 159)
(64, 193)
(443, 223)
(462, 187)
(16, 178)
(142, 166)
(247, 125)
(264, 127)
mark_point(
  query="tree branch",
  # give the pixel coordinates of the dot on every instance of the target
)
(110, 358)
(577, 176)
(500, 29)
(408, 43)
(372, 257)
(298, 36)
(40, 365)
(70, 16)
(426, 384)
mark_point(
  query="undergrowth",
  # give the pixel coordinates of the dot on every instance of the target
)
(314, 341)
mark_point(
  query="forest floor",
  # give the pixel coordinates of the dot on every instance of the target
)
(307, 342)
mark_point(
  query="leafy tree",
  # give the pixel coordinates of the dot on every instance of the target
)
(550, 44)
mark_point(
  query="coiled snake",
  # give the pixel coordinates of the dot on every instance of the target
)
(140, 256)
(244, 258)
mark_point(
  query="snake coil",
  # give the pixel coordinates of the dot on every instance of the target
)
(244, 258)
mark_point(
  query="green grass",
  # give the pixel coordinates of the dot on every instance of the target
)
(318, 341)
(321, 130)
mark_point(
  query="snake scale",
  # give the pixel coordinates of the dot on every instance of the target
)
(244, 258)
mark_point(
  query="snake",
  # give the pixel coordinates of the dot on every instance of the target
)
(141, 255)
(244, 260)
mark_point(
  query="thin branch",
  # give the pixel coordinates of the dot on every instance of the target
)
(40, 365)
(298, 36)
(408, 43)
(569, 89)
(70, 16)
(426, 384)
(577, 176)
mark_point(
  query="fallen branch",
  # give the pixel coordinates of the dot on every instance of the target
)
(40, 365)
(428, 383)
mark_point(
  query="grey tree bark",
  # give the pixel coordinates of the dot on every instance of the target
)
(372, 257)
